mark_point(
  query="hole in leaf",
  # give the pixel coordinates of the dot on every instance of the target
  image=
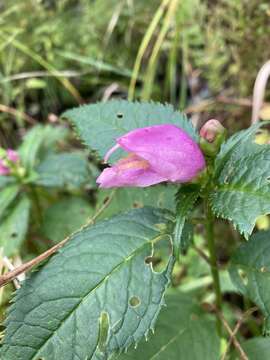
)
(134, 301)
(13, 235)
(137, 204)
(243, 276)
(104, 325)
(149, 259)
(105, 199)
(120, 115)
(161, 253)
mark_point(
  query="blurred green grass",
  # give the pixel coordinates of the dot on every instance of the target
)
(55, 54)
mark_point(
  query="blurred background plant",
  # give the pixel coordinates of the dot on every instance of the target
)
(54, 54)
(200, 55)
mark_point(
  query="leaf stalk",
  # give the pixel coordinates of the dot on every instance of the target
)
(209, 226)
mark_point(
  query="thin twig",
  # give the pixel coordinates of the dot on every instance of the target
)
(109, 91)
(232, 101)
(204, 104)
(236, 329)
(243, 355)
(199, 107)
(101, 209)
(6, 278)
(14, 112)
(8, 264)
(202, 254)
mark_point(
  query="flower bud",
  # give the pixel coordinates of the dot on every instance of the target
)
(211, 129)
(212, 136)
(8, 161)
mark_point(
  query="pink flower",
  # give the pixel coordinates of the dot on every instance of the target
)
(3, 169)
(11, 156)
(155, 154)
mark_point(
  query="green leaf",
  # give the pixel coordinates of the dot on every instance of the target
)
(250, 271)
(99, 277)
(63, 170)
(7, 195)
(99, 125)
(242, 190)
(6, 180)
(64, 217)
(14, 227)
(160, 196)
(257, 348)
(186, 237)
(182, 333)
(186, 198)
(235, 147)
(39, 140)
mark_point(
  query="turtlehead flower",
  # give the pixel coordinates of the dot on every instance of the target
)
(155, 154)
(11, 156)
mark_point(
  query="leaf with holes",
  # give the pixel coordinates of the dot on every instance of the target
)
(250, 271)
(95, 297)
(160, 196)
(242, 182)
(182, 333)
(14, 227)
(99, 125)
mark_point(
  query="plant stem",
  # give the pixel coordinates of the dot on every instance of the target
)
(213, 260)
(37, 205)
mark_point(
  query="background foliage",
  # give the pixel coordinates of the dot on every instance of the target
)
(199, 55)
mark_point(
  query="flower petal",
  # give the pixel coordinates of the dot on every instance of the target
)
(170, 151)
(4, 170)
(12, 155)
(130, 171)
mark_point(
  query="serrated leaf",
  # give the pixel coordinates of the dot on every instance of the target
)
(63, 170)
(182, 333)
(250, 270)
(99, 125)
(38, 141)
(7, 195)
(99, 274)
(241, 174)
(235, 147)
(186, 198)
(160, 196)
(242, 191)
(14, 227)
(64, 217)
